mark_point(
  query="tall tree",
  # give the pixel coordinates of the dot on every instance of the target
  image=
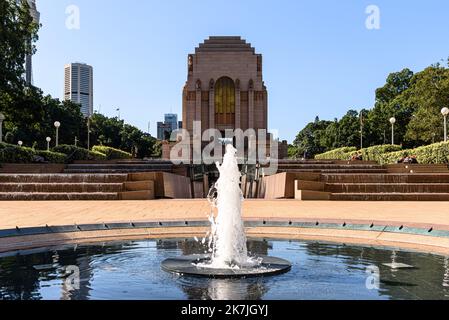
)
(428, 95)
(18, 33)
(311, 140)
(390, 103)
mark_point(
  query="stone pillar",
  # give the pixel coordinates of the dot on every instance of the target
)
(251, 105)
(211, 104)
(238, 124)
(198, 101)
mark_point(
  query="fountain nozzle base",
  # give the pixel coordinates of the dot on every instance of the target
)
(196, 265)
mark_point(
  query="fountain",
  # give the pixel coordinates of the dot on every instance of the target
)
(228, 255)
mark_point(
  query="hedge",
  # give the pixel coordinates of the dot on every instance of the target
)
(337, 154)
(375, 153)
(76, 153)
(394, 157)
(436, 153)
(112, 153)
(52, 157)
(10, 153)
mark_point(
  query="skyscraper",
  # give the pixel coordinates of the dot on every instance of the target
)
(172, 120)
(29, 58)
(163, 131)
(78, 86)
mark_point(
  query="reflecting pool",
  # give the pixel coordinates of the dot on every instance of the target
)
(131, 270)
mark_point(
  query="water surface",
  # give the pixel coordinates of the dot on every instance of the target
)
(131, 270)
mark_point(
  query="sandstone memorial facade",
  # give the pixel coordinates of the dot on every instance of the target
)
(225, 91)
(225, 88)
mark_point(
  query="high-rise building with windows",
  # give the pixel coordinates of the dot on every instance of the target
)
(29, 58)
(163, 131)
(78, 86)
(172, 120)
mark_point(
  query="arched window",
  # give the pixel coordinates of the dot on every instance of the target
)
(225, 102)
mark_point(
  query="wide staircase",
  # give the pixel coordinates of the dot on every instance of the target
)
(359, 181)
(94, 186)
(118, 180)
(302, 180)
(391, 187)
(42, 187)
(329, 166)
(125, 166)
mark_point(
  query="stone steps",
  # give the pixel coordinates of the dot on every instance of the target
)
(387, 188)
(124, 166)
(61, 187)
(389, 196)
(385, 178)
(43, 196)
(111, 171)
(120, 166)
(63, 178)
(40, 187)
(329, 166)
(335, 171)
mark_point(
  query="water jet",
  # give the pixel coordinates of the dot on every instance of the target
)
(228, 254)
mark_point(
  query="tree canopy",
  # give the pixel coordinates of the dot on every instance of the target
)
(18, 33)
(414, 99)
(30, 115)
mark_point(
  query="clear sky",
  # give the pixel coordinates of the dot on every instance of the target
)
(319, 57)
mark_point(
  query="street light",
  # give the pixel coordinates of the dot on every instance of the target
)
(361, 130)
(20, 143)
(48, 143)
(392, 121)
(2, 117)
(88, 133)
(445, 113)
(57, 125)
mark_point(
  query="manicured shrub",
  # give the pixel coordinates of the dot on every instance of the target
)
(437, 153)
(52, 157)
(95, 155)
(434, 153)
(375, 153)
(10, 153)
(394, 157)
(112, 153)
(344, 153)
(76, 153)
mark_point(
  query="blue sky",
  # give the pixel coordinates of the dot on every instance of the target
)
(319, 58)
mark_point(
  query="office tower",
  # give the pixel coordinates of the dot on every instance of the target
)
(78, 86)
(163, 131)
(29, 58)
(172, 120)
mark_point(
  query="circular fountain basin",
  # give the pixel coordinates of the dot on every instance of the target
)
(188, 266)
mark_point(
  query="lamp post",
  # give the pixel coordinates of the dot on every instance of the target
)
(2, 117)
(445, 113)
(48, 139)
(57, 125)
(88, 133)
(392, 121)
(361, 130)
(20, 143)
